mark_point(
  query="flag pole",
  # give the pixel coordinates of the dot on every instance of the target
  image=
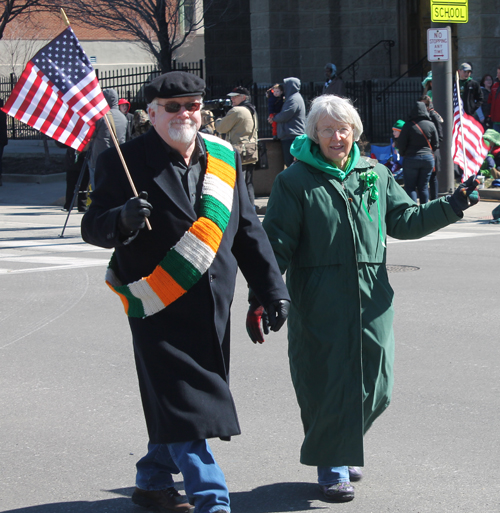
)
(115, 141)
(459, 100)
(64, 17)
(127, 172)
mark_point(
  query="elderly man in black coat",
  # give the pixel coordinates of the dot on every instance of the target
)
(177, 281)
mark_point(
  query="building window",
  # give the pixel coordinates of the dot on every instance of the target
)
(187, 14)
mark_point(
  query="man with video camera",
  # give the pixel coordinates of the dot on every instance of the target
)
(241, 125)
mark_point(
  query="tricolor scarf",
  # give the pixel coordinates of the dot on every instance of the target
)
(190, 258)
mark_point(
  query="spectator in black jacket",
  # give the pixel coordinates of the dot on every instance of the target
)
(417, 142)
(438, 123)
(470, 90)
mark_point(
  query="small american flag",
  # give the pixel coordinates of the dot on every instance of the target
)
(475, 147)
(58, 93)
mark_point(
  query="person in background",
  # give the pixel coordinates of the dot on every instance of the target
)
(486, 84)
(438, 123)
(3, 136)
(396, 160)
(101, 138)
(427, 85)
(328, 218)
(124, 106)
(141, 123)
(334, 84)
(470, 90)
(240, 125)
(275, 100)
(494, 102)
(207, 122)
(177, 282)
(292, 118)
(417, 142)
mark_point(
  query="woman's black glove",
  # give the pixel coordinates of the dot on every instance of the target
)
(133, 214)
(260, 320)
(465, 196)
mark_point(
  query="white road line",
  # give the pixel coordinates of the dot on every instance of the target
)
(51, 246)
(440, 235)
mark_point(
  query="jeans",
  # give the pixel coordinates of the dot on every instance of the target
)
(332, 475)
(496, 126)
(417, 171)
(285, 146)
(204, 481)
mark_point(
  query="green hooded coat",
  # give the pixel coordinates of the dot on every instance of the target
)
(341, 341)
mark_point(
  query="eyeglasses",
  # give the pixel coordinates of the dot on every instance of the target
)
(174, 107)
(328, 133)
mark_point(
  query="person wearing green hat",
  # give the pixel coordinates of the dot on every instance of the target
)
(328, 218)
(427, 85)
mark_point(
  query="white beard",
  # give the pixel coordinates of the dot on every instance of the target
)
(183, 132)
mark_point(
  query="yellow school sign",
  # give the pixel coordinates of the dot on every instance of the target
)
(446, 11)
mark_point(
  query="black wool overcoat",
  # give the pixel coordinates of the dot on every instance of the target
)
(182, 352)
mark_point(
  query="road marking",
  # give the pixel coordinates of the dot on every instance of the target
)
(52, 246)
(441, 235)
(57, 263)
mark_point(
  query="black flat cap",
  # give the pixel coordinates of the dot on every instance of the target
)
(174, 84)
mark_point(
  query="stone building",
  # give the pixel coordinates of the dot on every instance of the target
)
(266, 40)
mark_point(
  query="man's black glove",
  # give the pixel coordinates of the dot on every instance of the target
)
(133, 214)
(260, 320)
(465, 196)
(277, 313)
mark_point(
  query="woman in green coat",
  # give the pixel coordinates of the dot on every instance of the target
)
(327, 218)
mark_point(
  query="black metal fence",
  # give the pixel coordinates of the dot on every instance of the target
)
(379, 102)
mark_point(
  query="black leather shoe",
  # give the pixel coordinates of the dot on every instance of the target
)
(169, 500)
(340, 492)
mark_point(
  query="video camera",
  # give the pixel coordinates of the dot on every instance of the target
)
(218, 107)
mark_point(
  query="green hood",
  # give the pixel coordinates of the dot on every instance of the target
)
(307, 151)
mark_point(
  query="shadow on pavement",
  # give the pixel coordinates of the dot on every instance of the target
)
(277, 497)
(273, 498)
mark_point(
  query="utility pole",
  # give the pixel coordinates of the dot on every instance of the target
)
(442, 98)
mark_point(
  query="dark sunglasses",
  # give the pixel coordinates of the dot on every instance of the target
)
(174, 107)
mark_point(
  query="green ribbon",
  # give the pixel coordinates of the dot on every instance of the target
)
(369, 178)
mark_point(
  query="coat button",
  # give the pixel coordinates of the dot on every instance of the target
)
(212, 277)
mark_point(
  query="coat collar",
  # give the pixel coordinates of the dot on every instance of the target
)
(164, 175)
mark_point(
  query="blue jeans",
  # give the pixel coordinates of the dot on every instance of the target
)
(332, 475)
(417, 171)
(496, 126)
(204, 481)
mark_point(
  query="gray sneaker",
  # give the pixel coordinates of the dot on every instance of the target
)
(355, 474)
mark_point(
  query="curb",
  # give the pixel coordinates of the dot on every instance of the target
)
(20, 178)
(493, 194)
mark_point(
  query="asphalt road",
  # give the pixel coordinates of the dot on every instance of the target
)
(71, 421)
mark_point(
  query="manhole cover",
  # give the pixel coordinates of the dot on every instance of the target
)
(401, 268)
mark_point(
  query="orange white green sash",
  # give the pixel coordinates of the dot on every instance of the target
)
(190, 258)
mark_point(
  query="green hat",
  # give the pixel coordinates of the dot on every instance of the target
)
(427, 79)
(492, 136)
(399, 125)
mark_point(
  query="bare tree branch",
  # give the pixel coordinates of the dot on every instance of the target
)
(10, 9)
(162, 26)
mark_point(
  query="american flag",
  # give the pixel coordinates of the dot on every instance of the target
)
(475, 147)
(58, 93)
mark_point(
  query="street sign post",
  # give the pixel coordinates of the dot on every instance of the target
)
(446, 11)
(438, 44)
